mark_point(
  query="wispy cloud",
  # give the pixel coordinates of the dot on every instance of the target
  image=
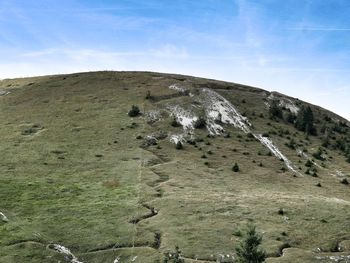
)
(259, 43)
(318, 29)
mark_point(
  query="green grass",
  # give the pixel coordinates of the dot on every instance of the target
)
(80, 176)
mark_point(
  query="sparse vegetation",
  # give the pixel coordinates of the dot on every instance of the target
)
(173, 256)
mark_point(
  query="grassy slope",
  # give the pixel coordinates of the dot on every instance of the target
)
(80, 178)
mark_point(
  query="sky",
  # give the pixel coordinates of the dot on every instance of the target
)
(297, 47)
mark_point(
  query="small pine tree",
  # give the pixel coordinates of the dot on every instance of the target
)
(248, 250)
(135, 111)
(235, 168)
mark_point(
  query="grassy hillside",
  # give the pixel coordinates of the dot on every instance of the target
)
(78, 173)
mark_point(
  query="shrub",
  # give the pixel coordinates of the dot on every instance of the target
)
(179, 145)
(348, 158)
(291, 144)
(227, 135)
(318, 155)
(250, 135)
(275, 111)
(291, 118)
(192, 142)
(280, 211)
(174, 256)
(148, 95)
(237, 233)
(200, 123)
(345, 181)
(235, 168)
(135, 111)
(175, 123)
(308, 163)
(248, 250)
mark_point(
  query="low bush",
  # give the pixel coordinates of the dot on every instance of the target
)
(235, 168)
(135, 111)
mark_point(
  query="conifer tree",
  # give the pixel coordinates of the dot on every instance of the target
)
(305, 121)
(275, 111)
(248, 250)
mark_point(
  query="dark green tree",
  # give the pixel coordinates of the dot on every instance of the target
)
(248, 250)
(275, 111)
(305, 121)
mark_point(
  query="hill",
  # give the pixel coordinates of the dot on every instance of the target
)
(84, 177)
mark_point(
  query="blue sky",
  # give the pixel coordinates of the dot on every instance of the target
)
(297, 47)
